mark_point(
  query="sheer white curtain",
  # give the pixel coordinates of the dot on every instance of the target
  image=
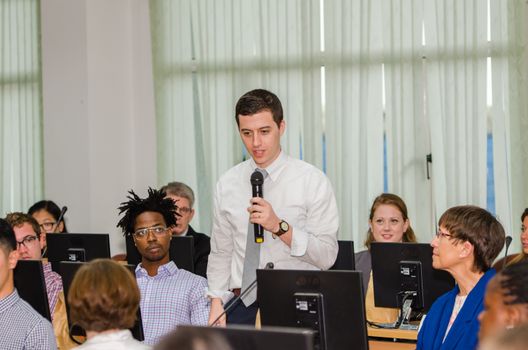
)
(509, 111)
(408, 138)
(407, 74)
(206, 55)
(21, 174)
(354, 110)
(434, 55)
(456, 53)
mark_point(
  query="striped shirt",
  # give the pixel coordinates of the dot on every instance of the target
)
(21, 327)
(53, 286)
(173, 297)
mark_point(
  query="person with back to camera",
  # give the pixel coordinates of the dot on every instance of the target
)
(195, 338)
(297, 212)
(469, 238)
(183, 196)
(510, 339)
(506, 301)
(103, 300)
(388, 222)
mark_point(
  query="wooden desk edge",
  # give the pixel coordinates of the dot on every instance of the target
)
(392, 333)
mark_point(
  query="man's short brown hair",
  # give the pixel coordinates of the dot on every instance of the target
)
(18, 219)
(103, 295)
(468, 223)
(258, 100)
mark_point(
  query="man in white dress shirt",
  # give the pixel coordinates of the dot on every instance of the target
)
(298, 211)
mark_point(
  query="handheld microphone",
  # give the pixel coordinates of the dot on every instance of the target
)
(269, 266)
(61, 216)
(257, 180)
(507, 245)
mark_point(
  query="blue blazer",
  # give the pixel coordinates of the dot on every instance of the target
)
(464, 331)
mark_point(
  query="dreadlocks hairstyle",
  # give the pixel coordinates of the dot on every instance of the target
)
(135, 206)
(514, 283)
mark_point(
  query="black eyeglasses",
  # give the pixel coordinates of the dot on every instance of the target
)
(46, 226)
(27, 241)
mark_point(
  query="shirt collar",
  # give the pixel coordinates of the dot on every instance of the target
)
(46, 267)
(123, 334)
(9, 301)
(184, 233)
(274, 168)
(165, 270)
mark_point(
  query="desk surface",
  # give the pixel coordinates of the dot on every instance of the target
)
(389, 345)
(392, 333)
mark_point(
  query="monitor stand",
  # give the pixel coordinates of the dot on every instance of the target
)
(403, 322)
(405, 313)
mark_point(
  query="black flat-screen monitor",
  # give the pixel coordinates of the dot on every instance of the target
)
(77, 246)
(330, 302)
(181, 251)
(402, 267)
(31, 285)
(345, 256)
(266, 338)
(67, 270)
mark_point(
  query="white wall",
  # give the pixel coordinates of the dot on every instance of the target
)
(99, 124)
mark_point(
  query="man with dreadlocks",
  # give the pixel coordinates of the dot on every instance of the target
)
(169, 296)
(506, 301)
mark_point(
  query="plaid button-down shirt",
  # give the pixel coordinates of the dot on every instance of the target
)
(173, 297)
(53, 286)
(21, 327)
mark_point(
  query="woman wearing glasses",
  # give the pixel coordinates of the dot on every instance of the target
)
(468, 240)
(47, 214)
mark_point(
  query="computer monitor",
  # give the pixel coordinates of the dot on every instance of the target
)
(31, 286)
(181, 251)
(77, 246)
(345, 256)
(67, 270)
(330, 302)
(266, 338)
(405, 270)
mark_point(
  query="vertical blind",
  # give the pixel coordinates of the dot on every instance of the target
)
(21, 170)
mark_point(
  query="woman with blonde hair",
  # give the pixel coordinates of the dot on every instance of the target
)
(388, 222)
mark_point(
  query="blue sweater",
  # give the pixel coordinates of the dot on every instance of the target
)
(464, 331)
